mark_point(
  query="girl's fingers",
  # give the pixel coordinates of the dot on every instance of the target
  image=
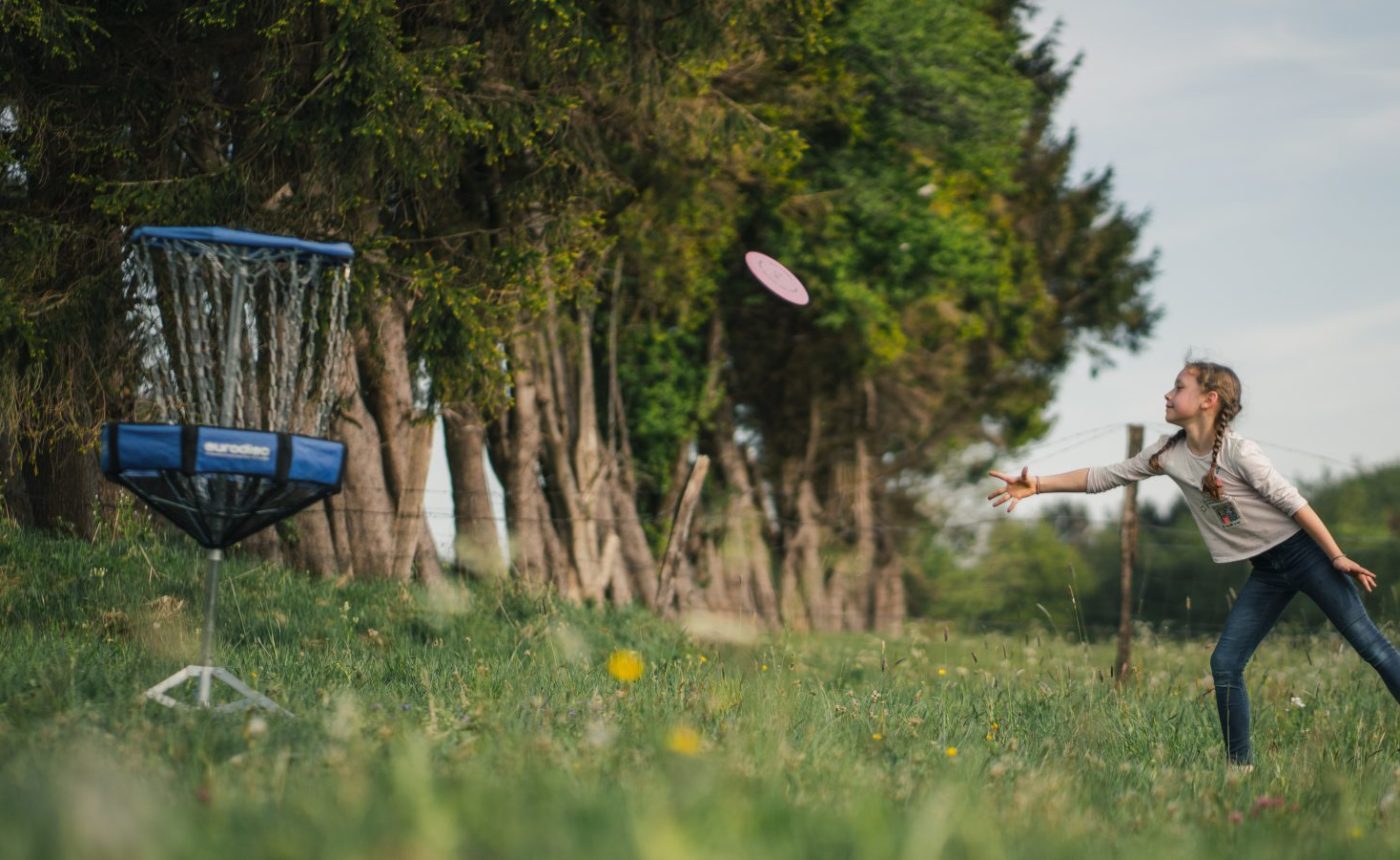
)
(1005, 494)
(1357, 570)
(1366, 578)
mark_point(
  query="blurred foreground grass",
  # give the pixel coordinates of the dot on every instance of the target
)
(486, 723)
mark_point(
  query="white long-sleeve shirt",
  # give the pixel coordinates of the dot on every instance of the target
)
(1255, 512)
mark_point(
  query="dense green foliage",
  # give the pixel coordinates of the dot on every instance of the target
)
(505, 165)
(492, 728)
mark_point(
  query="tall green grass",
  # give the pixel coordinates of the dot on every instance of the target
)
(484, 723)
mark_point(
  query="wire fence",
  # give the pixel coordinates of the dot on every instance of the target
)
(1061, 518)
(1183, 595)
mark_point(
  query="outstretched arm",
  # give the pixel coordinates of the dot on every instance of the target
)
(1314, 526)
(1025, 485)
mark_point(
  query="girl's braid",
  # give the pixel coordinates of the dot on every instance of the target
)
(1223, 381)
(1155, 461)
(1208, 485)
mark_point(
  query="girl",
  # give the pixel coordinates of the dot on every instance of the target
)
(1245, 510)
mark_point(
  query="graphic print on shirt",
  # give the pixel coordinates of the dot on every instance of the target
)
(1226, 512)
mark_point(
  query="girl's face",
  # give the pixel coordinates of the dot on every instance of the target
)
(1187, 400)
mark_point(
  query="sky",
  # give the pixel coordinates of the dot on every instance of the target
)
(1263, 138)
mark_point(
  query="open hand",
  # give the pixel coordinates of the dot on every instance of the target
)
(1017, 488)
(1364, 578)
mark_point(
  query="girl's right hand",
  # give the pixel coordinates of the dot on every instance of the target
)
(1365, 578)
(1017, 487)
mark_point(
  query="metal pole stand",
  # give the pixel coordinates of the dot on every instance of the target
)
(206, 672)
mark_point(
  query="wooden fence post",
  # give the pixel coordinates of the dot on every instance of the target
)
(1128, 542)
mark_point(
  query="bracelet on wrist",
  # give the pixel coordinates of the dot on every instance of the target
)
(1037, 485)
(1334, 558)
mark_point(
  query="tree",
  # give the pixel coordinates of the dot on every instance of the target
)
(943, 307)
(58, 296)
(1027, 575)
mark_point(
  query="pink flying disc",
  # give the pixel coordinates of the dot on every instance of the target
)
(776, 277)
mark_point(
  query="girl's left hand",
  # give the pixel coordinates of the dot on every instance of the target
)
(1365, 578)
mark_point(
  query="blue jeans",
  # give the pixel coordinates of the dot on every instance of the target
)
(1297, 564)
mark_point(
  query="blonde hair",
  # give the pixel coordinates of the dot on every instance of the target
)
(1223, 381)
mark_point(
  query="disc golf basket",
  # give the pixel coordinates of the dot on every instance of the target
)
(240, 337)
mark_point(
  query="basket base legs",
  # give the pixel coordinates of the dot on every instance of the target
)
(206, 674)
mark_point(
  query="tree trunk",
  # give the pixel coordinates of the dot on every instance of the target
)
(339, 560)
(413, 543)
(60, 485)
(314, 547)
(676, 574)
(638, 563)
(308, 539)
(875, 584)
(365, 505)
(855, 574)
(804, 588)
(802, 568)
(575, 469)
(405, 435)
(14, 494)
(890, 604)
(742, 558)
(590, 481)
(527, 510)
(477, 545)
(735, 566)
(637, 560)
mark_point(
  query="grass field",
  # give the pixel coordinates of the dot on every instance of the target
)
(486, 723)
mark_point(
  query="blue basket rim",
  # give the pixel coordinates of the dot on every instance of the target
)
(226, 236)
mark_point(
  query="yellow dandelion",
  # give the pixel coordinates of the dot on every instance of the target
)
(877, 737)
(683, 740)
(990, 736)
(704, 659)
(763, 668)
(942, 671)
(951, 752)
(625, 665)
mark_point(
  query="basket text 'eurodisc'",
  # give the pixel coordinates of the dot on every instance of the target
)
(236, 449)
